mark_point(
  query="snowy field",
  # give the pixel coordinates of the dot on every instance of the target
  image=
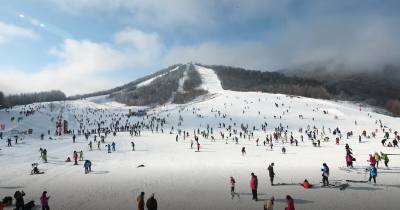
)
(184, 179)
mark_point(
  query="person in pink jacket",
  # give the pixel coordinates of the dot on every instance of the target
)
(372, 159)
(44, 200)
(290, 203)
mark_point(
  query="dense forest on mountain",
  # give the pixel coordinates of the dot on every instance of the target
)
(157, 91)
(376, 88)
(27, 98)
(190, 86)
(127, 87)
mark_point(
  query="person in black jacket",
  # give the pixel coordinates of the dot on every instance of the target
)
(19, 200)
(271, 173)
(151, 203)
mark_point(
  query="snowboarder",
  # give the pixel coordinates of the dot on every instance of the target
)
(373, 173)
(254, 185)
(325, 175)
(271, 173)
(44, 201)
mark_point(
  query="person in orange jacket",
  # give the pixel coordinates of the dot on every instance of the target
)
(306, 184)
(3, 205)
(140, 201)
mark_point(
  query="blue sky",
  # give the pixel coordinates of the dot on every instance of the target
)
(89, 45)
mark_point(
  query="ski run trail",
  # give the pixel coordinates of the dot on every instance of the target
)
(184, 179)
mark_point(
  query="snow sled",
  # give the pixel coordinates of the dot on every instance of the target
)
(37, 173)
(29, 205)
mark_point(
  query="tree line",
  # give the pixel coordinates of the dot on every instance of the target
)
(160, 89)
(27, 98)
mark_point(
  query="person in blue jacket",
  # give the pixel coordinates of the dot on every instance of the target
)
(109, 148)
(86, 166)
(113, 145)
(373, 173)
(325, 175)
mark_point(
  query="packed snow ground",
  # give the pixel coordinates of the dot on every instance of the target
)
(185, 179)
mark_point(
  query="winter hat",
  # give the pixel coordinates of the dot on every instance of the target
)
(288, 197)
(252, 173)
(370, 155)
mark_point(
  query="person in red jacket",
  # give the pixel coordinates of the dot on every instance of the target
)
(254, 185)
(290, 203)
(76, 158)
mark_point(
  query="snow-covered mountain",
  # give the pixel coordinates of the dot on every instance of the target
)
(184, 179)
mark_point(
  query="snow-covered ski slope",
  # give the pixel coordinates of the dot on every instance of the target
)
(185, 179)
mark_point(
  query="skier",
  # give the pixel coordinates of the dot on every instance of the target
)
(191, 144)
(283, 150)
(44, 201)
(133, 146)
(271, 173)
(373, 173)
(9, 142)
(243, 150)
(113, 146)
(76, 158)
(176, 138)
(86, 166)
(232, 185)
(41, 152)
(198, 147)
(151, 203)
(90, 145)
(359, 138)
(271, 145)
(81, 156)
(377, 159)
(385, 159)
(254, 185)
(98, 144)
(290, 203)
(140, 200)
(73, 138)
(269, 204)
(325, 175)
(371, 160)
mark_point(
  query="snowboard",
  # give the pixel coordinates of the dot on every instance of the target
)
(197, 151)
(356, 181)
(37, 173)
(344, 186)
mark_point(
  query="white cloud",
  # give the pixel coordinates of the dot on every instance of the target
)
(85, 66)
(9, 32)
(146, 48)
